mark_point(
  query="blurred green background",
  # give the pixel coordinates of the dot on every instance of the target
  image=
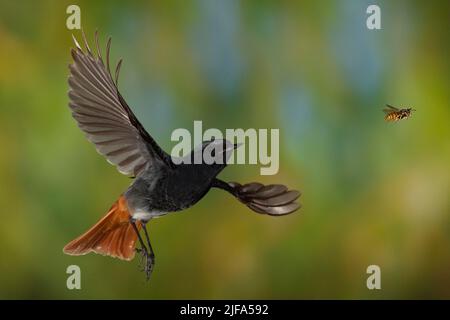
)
(373, 192)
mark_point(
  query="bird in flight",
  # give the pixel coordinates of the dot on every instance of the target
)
(160, 186)
(395, 114)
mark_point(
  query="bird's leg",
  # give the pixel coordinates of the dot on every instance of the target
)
(150, 249)
(150, 256)
(143, 249)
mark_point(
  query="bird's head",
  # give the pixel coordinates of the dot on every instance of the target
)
(217, 151)
(208, 158)
(213, 154)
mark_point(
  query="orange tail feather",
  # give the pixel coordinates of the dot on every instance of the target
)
(113, 235)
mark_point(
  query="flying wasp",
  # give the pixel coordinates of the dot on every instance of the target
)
(395, 114)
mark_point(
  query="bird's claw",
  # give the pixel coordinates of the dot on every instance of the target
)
(146, 262)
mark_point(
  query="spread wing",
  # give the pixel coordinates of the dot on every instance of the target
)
(390, 109)
(104, 116)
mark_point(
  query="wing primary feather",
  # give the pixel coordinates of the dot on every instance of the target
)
(93, 82)
(108, 48)
(119, 64)
(99, 52)
(89, 102)
(76, 42)
(89, 63)
(88, 114)
(86, 44)
(91, 92)
(73, 52)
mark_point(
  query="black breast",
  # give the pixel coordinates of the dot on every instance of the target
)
(170, 190)
(186, 186)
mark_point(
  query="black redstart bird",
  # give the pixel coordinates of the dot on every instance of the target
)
(160, 186)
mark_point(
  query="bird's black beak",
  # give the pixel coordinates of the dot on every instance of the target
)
(237, 145)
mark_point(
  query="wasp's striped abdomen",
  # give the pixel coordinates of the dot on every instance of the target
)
(392, 117)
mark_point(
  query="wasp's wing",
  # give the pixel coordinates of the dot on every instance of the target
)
(104, 116)
(390, 109)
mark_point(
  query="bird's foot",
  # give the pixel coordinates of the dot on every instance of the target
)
(146, 262)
